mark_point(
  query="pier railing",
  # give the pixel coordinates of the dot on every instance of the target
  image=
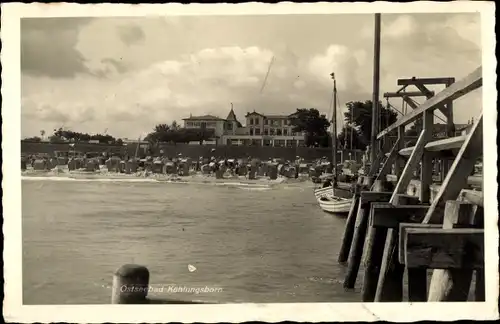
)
(438, 227)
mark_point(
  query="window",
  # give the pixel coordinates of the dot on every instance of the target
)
(257, 121)
(256, 142)
(251, 131)
(266, 131)
(251, 121)
(271, 131)
(229, 126)
(285, 132)
(280, 143)
(257, 131)
(278, 132)
(266, 121)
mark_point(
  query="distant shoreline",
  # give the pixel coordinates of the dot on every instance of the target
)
(156, 178)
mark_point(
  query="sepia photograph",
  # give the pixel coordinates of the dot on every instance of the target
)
(252, 158)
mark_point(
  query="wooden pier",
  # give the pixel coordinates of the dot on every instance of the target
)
(416, 225)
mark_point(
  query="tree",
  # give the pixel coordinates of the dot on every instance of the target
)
(344, 138)
(33, 139)
(359, 115)
(61, 135)
(313, 124)
(163, 133)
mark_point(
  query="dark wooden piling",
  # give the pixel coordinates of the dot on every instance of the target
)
(130, 285)
(356, 252)
(390, 281)
(374, 249)
(345, 246)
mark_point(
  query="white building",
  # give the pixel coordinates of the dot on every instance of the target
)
(219, 125)
(260, 129)
(265, 130)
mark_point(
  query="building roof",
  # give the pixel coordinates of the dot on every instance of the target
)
(204, 117)
(269, 116)
(254, 113)
(231, 116)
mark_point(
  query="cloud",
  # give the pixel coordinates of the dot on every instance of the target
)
(131, 35)
(48, 47)
(129, 88)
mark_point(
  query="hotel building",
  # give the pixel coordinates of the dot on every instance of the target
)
(260, 129)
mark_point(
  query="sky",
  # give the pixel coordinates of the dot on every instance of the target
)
(125, 75)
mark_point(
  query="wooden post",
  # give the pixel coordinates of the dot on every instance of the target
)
(356, 252)
(426, 172)
(386, 168)
(457, 177)
(130, 285)
(479, 294)
(398, 167)
(374, 251)
(345, 247)
(452, 284)
(390, 281)
(448, 112)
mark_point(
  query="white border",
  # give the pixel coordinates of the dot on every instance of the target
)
(312, 312)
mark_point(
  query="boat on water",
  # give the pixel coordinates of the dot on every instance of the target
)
(335, 205)
(332, 198)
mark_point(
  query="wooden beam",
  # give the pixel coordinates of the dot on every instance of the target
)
(410, 102)
(454, 284)
(386, 168)
(450, 125)
(451, 143)
(457, 177)
(389, 216)
(368, 197)
(456, 90)
(472, 196)
(437, 248)
(429, 94)
(412, 81)
(399, 164)
(474, 181)
(405, 94)
(411, 165)
(417, 278)
(402, 234)
(426, 169)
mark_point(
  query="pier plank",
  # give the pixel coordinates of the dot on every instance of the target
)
(412, 81)
(389, 216)
(438, 248)
(405, 94)
(451, 143)
(454, 284)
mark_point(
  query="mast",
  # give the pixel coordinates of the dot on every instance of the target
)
(334, 132)
(376, 88)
